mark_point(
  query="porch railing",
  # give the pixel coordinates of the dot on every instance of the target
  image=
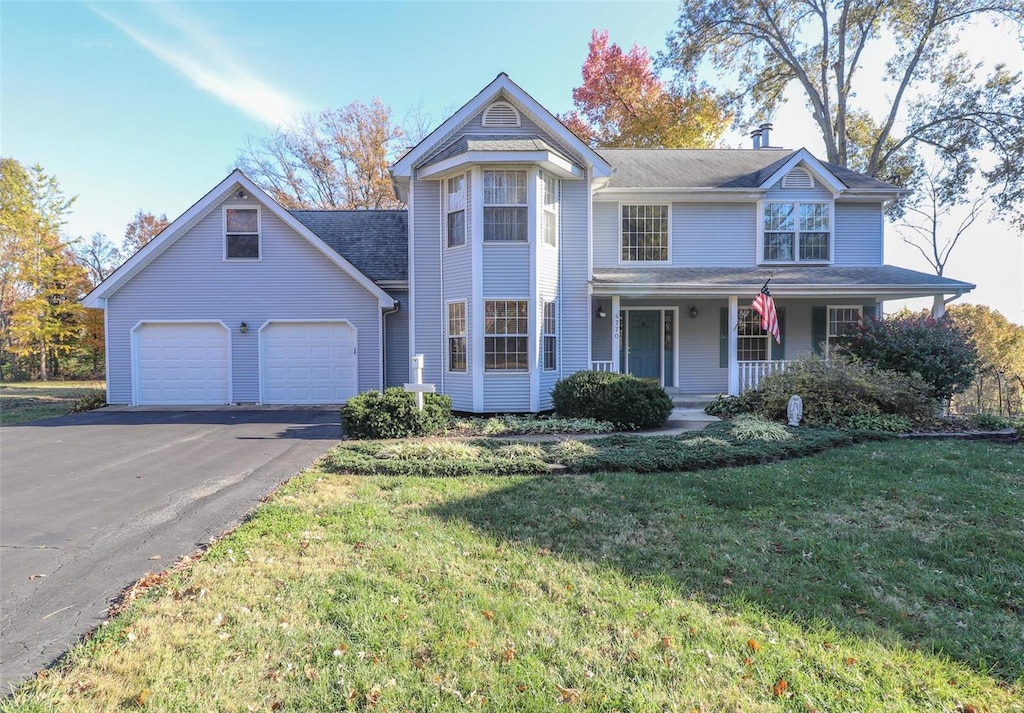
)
(751, 372)
(601, 366)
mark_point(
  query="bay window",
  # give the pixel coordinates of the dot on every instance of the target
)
(505, 207)
(506, 335)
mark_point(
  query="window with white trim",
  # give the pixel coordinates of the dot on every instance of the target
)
(842, 321)
(456, 336)
(455, 211)
(644, 233)
(752, 341)
(506, 331)
(549, 209)
(550, 336)
(242, 233)
(797, 232)
(505, 208)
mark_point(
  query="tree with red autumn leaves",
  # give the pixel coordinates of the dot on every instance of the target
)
(623, 104)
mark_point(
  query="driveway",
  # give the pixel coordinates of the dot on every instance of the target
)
(90, 503)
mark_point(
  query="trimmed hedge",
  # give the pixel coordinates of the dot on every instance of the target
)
(393, 414)
(629, 403)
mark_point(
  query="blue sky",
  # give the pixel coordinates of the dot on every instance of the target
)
(145, 106)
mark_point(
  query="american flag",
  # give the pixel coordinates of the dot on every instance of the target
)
(764, 305)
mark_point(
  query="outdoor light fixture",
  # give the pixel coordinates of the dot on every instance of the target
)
(693, 313)
(601, 314)
(243, 328)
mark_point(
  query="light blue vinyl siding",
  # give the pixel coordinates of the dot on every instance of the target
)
(396, 341)
(606, 234)
(818, 193)
(858, 230)
(506, 393)
(714, 234)
(458, 286)
(191, 281)
(574, 298)
(425, 278)
(506, 271)
(601, 349)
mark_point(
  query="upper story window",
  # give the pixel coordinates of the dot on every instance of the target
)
(242, 233)
(505, 209)
(796, 232)
(455, 211)
(842, 321)
(645, 233)
(506, 335)
(549, 209)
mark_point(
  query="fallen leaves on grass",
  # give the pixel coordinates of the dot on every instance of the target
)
(779, 688)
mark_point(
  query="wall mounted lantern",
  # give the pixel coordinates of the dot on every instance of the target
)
(243, 328)
(693, 312)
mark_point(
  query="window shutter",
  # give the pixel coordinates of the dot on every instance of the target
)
(819, 327)
(723, 339)
(779, 350)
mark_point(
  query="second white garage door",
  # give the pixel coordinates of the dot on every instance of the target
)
(308, 362)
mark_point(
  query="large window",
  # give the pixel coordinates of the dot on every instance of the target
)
(456, 336)
(505, 210)
(455, 211)
(549, 209)
(242, 233)
(842, 321)
(752, 341)
(645, 233)
(550, 330)
(506, 326)
(795, 232)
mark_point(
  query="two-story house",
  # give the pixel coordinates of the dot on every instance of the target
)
(523, 257)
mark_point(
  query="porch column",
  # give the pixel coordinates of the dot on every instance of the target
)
(616, 334)
(734, 367)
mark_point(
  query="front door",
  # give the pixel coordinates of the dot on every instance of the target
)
(643, 344)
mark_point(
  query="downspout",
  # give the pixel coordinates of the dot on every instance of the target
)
(384, 340)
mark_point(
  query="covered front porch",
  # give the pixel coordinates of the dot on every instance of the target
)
(703, 338)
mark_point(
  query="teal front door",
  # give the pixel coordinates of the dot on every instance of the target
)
(643, 344)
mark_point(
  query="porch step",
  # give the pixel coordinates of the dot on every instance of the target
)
(689, 419)
(691, 401)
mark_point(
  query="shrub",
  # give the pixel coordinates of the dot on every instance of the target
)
(393, 414)
(835, 390)
(938, 350)
(626, 401)
(885, 422)
(991, 422)
(89, 402)
(429, 451)
(508, 425)
(751, 427)
(730, 406)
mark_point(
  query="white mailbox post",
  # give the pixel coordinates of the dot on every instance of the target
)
(417, 386)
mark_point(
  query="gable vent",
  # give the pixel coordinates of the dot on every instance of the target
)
(501, 114)
(798, 178)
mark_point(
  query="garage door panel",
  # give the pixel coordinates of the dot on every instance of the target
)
(308, 362)
(182, 364)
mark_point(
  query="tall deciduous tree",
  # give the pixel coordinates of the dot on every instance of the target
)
(934, 93)
(335, 159)
(43, 280)
(623, 104)
(999, 384)
(142, 228)
(98, 255)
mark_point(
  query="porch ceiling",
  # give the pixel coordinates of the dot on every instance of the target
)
(884, 281)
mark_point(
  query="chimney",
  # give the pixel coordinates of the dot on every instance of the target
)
(756, 136)
(766, 129)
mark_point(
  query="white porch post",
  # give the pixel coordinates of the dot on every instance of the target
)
(734, 368)
(616, 334)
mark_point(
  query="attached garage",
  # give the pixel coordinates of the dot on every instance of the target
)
(182, 363)
(308, 362)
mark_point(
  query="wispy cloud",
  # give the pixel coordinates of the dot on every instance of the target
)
(206, 61)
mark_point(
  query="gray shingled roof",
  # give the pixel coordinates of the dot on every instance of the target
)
(710, 168)
(464, 144)
(701, 278)
(375, 241)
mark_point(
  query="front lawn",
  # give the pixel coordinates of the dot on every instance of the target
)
(25, 401)
(881, 576)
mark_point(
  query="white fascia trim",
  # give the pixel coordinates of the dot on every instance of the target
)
(886, 291)
(549, 160)
(201, 208)
(404, 166)
(679, 195)
(814, 165)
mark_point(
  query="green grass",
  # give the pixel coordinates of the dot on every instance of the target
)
(21, 402)
(882, 576)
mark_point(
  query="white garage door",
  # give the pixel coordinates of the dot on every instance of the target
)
(308, 362)
(182, 363)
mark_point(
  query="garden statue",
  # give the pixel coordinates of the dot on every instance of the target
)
(795, 410)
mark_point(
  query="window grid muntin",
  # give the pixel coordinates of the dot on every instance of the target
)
(242, 233)
(841, 321)
(752, 341)
(796, 231)
(644, 233)
(457, 356)
(550, 335)
(549, 209)
(505, 206)
(455, 208)
(506, 330)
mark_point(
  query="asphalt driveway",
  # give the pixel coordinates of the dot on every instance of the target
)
(90, 503)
